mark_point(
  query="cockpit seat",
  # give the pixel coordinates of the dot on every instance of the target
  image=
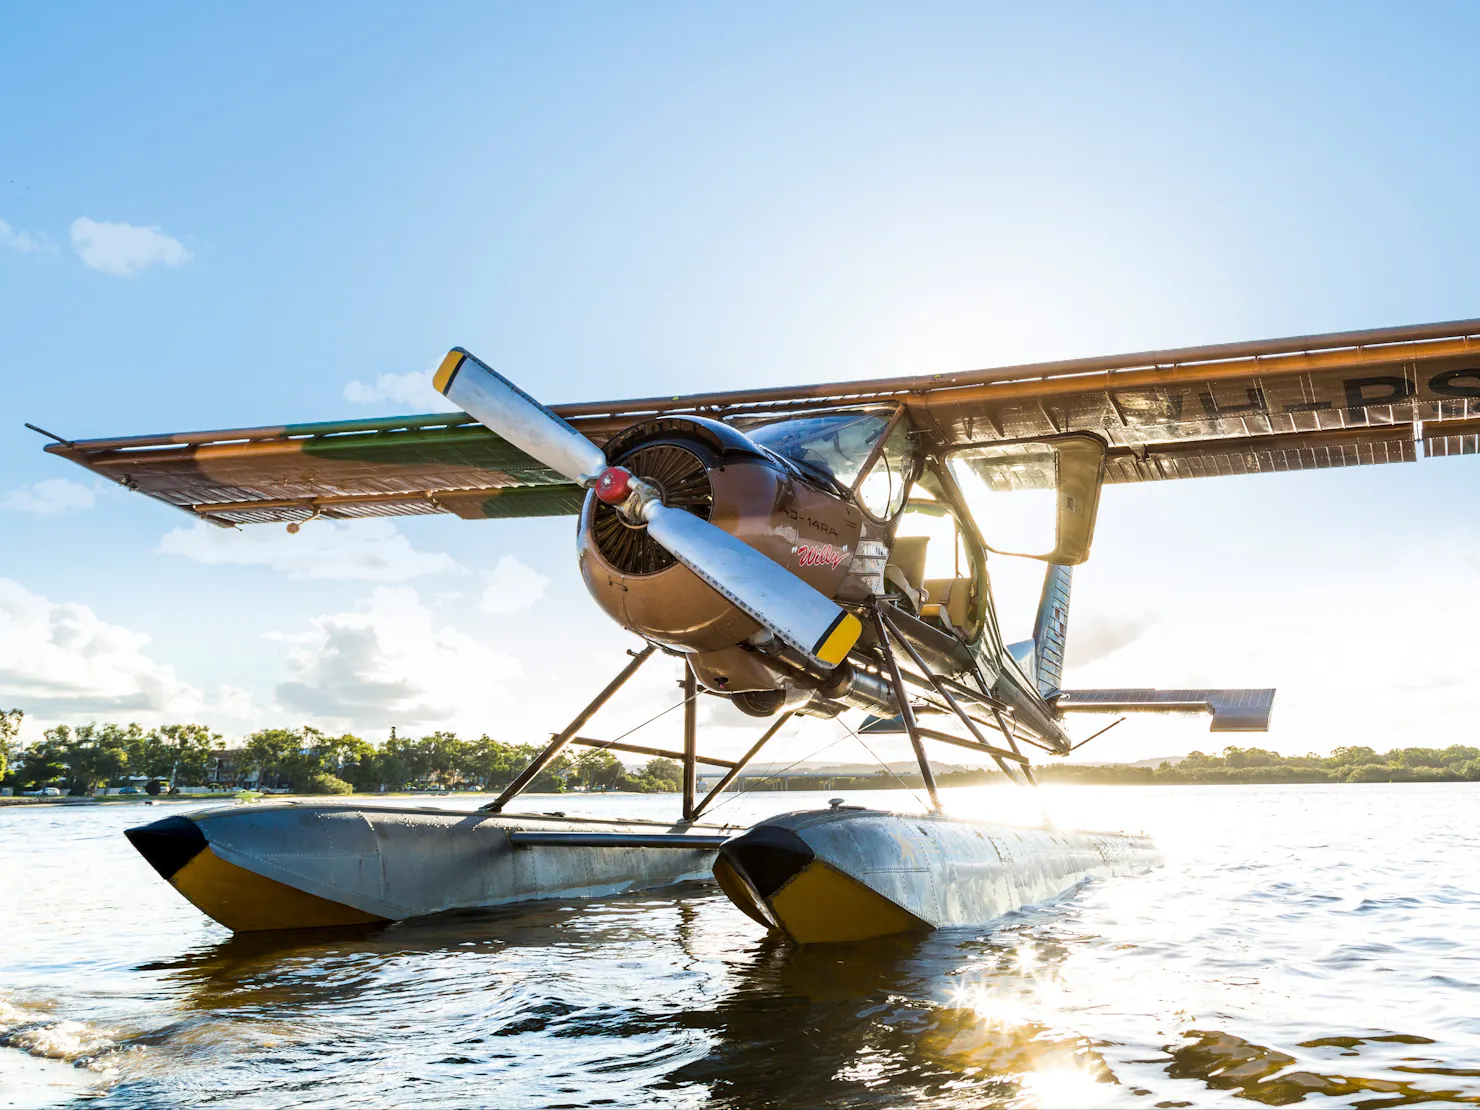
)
(948, 602)
(905, 570)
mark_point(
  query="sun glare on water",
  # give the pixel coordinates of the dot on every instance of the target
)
(1008, 1025)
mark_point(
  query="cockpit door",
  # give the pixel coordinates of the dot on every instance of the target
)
(1034, 498)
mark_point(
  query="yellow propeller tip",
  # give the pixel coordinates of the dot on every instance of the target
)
(443, 377)
(839, 640)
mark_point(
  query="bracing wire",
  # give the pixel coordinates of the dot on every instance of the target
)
(813, 755)
(904, 785)
(605, 745)
(736, 794)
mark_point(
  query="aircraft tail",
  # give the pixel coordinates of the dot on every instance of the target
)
(1051, 629)
(1042, 657)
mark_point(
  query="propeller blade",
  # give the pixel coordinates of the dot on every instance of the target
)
(803, 617)
(504, 408)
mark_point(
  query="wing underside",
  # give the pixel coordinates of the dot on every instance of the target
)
(409, 466)
(1355, 398)
(1271, 416)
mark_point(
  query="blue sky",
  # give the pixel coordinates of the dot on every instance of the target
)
(606, 201)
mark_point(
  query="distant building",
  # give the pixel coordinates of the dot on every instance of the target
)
(228, 768)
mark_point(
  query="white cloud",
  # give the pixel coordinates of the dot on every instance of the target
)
(411, 388)
(391, 663)
(24, 242)
(60, 659)
(512, 586)
(123, 249)
(368, 550)
(49, 497)
(1351, 665)
(236, 703)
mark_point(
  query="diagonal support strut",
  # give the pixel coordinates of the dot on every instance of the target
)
(956, 707)
(740, 765)
(906, 711)
(561, 739)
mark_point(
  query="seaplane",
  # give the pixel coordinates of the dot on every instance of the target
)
(802, 551)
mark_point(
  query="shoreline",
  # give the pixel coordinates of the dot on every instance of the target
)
(1044, 780)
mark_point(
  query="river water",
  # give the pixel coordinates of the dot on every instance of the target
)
(1314, 944)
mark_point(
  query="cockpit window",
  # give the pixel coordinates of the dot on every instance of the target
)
(883, 491)
(835, 443)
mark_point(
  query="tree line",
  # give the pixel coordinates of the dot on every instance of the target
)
(1456, 763)
(81, 759)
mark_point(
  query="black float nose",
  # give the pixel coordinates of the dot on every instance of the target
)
(767, 856)
(168, 844)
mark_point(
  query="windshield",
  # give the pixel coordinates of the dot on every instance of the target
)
(882, 493)
(837, 443)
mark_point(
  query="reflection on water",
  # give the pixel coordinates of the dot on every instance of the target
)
(1301, 944)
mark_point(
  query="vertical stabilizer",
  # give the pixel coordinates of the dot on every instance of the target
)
(1051, 629)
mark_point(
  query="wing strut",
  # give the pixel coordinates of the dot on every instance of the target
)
(561, 739)
(885, 625)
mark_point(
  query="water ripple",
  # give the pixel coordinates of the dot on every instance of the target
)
(1302, 943)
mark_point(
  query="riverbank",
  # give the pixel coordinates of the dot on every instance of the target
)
(1234, 767)
(114, 799)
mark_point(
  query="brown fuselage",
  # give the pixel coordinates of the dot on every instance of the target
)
(752, 495)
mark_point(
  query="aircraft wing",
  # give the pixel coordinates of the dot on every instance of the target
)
(397, 466)
(1386, 395)
(1309, 402)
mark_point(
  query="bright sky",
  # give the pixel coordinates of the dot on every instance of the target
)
(215, 219)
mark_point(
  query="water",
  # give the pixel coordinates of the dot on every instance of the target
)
(1302, 943)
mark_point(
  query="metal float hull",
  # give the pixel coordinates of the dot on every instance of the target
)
(294, 866)
(851, 874)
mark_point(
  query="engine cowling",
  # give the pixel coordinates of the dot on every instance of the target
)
(714, 471)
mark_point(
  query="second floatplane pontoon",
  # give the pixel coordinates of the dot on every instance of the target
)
(804, 550)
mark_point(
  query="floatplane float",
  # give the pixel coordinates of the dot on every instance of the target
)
(803, 551)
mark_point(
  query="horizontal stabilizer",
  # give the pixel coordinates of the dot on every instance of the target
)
(1232, 710)
(895, 723)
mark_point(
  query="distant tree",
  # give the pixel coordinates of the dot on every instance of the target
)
(10, 728)
(554, 778)
(279, 755)
(343, 756)
(403, 761)
(98, 754)
(193, 747)
(442, 756)
(598, 770)
(149, 755)
(1370, 772)
(43, 763)
(321, 782)
(491, 763)
(658, 776)
(1417, 757)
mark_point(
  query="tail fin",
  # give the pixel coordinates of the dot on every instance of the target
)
(1051, 629)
